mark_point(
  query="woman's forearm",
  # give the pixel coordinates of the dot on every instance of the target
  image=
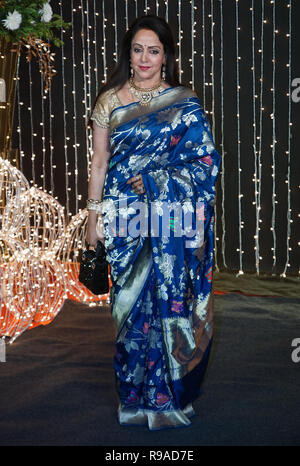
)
(96, 181)
(98, 170)
(95, 189)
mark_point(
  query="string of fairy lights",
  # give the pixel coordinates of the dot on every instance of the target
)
(288, 152)
(273, 145)
(238, 110)
(88, 68)
(222, 174)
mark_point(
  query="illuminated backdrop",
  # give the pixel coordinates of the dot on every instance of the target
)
(240, 57)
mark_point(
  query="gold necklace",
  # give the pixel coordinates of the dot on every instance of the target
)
(145, 95)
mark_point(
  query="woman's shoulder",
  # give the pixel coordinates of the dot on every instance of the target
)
(104, 105)
(105, 98)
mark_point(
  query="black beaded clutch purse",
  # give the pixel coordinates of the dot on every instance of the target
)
(93, 272)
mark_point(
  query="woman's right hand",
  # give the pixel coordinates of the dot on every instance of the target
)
(94, 233)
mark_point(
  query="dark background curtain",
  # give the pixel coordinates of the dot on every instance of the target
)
(241, 59)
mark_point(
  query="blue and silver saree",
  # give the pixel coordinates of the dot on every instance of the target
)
(161, 269)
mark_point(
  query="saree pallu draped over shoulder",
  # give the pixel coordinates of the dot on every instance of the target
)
(160, 248)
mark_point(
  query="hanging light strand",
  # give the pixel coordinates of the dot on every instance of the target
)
(126, 14)
(67, 168)
(256, 237)
(179, 40)
(89, 67)
(51, 143)
(273, 227)
(203, 55)
(116, 31)
(19, 123)
(75, 129)
(104, 44)
(261, 108)
(31, 124)
(212, 73)
(96, 14)
(42, 124)
(84, 73)
(240, 248)
(192, 82)
(222, 134)
(288, 178)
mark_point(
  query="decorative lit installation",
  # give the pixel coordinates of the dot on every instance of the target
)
(12, 186)
(18, 291)
(39, 255)
(31, 287)
(68, 255)
(44, 219)
(36, 278)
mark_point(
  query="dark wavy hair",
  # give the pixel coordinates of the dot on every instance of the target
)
(121, 73)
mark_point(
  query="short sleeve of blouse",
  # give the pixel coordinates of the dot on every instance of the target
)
(105, 104)
(101, 111)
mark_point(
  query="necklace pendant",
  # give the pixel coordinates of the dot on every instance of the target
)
(145, 98)
(144, 95)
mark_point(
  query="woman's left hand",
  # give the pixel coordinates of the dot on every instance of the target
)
(137, 184)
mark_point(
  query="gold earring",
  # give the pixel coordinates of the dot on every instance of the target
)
(163, 72)
(131, 72)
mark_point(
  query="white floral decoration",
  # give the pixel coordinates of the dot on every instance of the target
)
(13, 20)
(46, 13)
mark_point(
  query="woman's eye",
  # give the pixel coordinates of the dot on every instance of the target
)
(155, 52)
(137, 50)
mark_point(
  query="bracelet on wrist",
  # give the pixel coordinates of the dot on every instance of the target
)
(94, 204)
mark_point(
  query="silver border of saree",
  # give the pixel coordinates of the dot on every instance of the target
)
(155, 420)
(127, 296)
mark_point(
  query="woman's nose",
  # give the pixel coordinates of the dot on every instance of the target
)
(144, 56)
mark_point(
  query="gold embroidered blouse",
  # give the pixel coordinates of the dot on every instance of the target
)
(105, 104)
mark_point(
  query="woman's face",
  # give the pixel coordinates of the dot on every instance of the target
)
(147, 56)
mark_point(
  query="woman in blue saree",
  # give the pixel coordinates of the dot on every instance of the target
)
(153, 176)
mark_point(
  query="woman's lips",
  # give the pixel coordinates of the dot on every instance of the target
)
(144, 68)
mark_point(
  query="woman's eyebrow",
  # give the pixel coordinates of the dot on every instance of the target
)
(149, 47)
